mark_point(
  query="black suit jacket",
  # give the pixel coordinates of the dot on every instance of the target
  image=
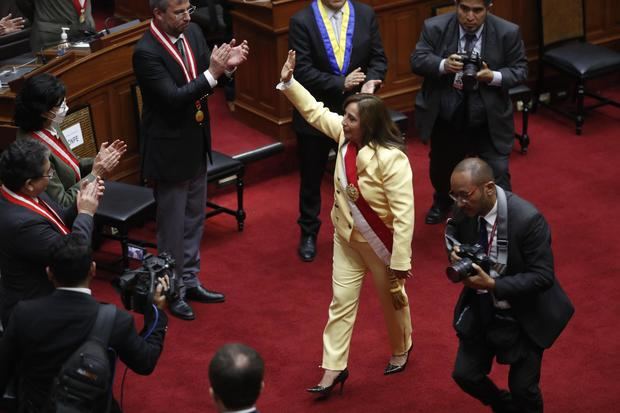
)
(173, 144)
(312, 67)
(529, 283)
(25, 249)
(44, 332)
(502, 49)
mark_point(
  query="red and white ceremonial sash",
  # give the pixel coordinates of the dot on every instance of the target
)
(366, 220)
(60, 150)
(191, 72)
(40, 208)
(80, 8)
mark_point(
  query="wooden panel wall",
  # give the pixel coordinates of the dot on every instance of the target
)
(265, 25)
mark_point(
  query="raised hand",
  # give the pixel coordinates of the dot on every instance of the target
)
(238, 54)
(108, 157)
(10, 25)
(89, 195)
(219, 59)
(354, 79)
(371, 86)
(289, 66)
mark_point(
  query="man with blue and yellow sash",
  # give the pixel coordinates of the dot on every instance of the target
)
(338, 49)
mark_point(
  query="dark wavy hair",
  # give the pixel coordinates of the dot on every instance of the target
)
(22, 160)
(377, 125)
(236, 375)
(38, 95)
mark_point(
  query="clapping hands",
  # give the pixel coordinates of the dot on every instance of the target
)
(108, 158)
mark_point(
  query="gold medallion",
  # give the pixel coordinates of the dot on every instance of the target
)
(352, 193)
(200, 116)
(82, 17)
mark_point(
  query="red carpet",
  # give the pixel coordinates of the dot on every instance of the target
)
(278, 304)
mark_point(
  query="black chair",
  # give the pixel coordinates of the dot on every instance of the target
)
(123, 206)
(225, 169)
(520, 93)
(563, 47)
(400, 119)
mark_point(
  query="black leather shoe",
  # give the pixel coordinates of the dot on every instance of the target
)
(203, 295)
(391, 368)
(504, 403)
(307, 248)
(181, 309)
(436, 215)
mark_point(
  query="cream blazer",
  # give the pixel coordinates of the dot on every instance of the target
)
(384, 177)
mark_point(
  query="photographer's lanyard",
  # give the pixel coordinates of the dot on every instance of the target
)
(492, 236)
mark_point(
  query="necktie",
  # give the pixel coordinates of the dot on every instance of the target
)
(470, 42)
(181, 48)
(483, 234)
(336, 24)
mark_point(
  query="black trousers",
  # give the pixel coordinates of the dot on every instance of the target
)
(473, 364)
(450, 145)
(313, 152)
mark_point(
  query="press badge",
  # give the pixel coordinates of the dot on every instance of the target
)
(458, 80)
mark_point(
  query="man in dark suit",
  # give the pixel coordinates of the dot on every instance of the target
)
(236, 374)
(44, 332)
(49, 16)
(31, 222)
(467, 115)
(339, 50)
(512, 310)
(176, 72)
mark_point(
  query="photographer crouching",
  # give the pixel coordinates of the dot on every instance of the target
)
(46, 337)
(512, 307)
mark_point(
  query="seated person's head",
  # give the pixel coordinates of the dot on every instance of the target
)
(38, 102)
(71, 263)
(236, 375)
(25, 163)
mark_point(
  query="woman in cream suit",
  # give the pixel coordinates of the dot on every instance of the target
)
(373, 217)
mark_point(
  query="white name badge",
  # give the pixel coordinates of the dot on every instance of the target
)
(73, 135)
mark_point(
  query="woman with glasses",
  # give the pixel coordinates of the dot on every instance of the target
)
(373, 219)
(40, 109)
(31, 223)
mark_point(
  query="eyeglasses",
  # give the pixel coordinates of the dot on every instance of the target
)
(462, 196)
(179, 14)
(50, 174)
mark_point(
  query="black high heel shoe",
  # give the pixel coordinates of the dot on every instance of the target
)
(391, 368)
(325, 391)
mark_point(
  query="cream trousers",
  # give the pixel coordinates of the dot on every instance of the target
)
(351, 262)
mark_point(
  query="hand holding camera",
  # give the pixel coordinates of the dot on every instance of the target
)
(159, 297)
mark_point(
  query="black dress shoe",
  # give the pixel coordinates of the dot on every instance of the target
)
(181, 309)
(436, 215)
(391, 368)
(203, 295)
(307, 248)
(504, 403)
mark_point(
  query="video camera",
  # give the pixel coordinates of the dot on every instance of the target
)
(463, 268)
(137, 287)
(472, 63)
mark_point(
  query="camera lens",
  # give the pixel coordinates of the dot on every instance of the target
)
(459, 270)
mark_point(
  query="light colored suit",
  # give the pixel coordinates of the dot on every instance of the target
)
(385, 181)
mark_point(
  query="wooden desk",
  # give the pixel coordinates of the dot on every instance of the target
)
(103, 80)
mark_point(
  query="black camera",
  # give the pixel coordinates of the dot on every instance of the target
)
(138, 286)
(472, 63)
(463, 268)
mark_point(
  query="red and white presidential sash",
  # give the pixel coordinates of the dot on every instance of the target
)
(60, 150)
(190, 72)
(366, 220)
(40, 208)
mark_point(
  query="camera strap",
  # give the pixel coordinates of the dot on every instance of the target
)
(502, 229)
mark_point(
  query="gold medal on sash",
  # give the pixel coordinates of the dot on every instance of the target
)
(352, 192)
(200, 116)
(82, 16)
